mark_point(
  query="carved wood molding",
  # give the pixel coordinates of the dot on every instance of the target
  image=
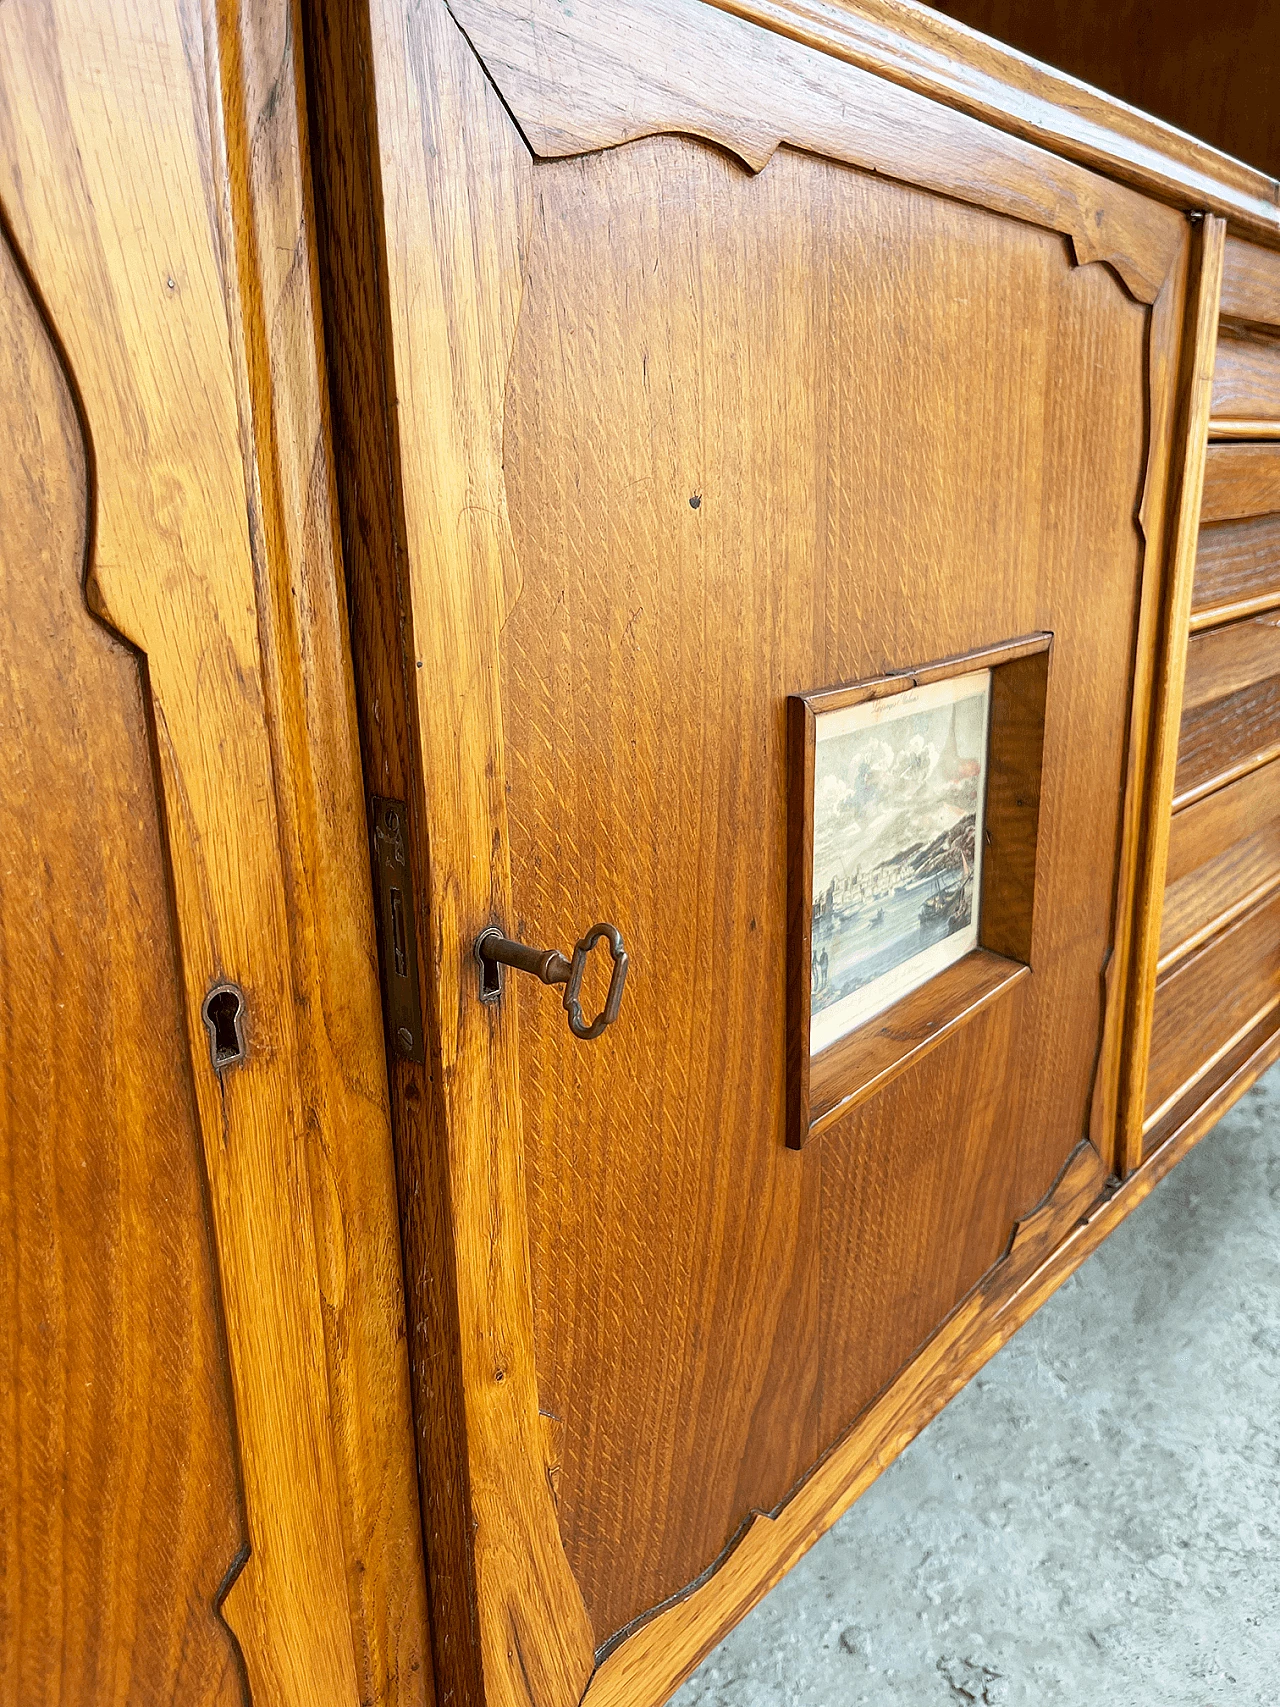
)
(588, 77)
(923, 50)
(181, 287)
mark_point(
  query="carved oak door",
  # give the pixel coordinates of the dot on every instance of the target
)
(207, 1488)
(680, 366)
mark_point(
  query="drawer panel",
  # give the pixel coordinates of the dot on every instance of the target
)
(1250, 283)
(1230, 658)
(1240, 480)
(1246, 375)
(1231, 705)
(1211, 998)
(1224, 855)
(1237, 568)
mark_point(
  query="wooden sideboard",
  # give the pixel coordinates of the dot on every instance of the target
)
(439, 442)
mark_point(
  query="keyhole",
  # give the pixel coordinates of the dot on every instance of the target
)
(223, 1015)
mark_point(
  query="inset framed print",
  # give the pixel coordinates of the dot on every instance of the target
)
(913, 819)
(899, 791)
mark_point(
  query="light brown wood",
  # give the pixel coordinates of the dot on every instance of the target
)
(1246, 378)
(1212, 825)
(1227, 739)
(1231, 720)
(867, 1060)
(1251, 283)
(444, 294)
(119, 1495)
(1200, 339)
(151, 165)
(1237, 570)
(656, 1659)
(320, 801)
(1224, 427)
(583, 78)
(1229, 658)
(1211, 76)
(1224, 855)
(582, 613)
(1213, 1093)
(912, 45)
(1241, 480)
(654, 799)
(660, 1655)
(1209, 1001)
(607, 527)
(1199, 907)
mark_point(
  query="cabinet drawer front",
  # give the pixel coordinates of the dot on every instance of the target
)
(1237, 569)
(1209, 1000)
(1246, 375)
(1224, 856)
(1231, 705)
(1240, 480)
(1250, 283)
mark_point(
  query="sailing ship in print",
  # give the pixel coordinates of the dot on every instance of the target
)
(899, 786)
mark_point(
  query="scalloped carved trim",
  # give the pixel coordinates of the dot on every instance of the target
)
(589, 77)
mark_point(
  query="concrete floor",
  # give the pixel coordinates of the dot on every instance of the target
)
(1095, 1518)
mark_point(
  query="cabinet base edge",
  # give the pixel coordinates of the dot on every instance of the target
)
(652, 1662)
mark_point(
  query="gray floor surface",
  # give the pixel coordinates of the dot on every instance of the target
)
(1096, 1517)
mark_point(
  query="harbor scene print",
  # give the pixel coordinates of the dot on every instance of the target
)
(899, 789)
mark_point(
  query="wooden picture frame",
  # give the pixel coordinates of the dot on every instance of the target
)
(824, 1086)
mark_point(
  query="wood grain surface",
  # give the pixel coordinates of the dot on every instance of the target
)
(1211, 999)
(864, 1062)
(1231, 657)
(1038, 1256)
(1227, 738)
(1232, 716)
(689, 552)
(912, 45)
(1212, 74)
(427, 193)
(1206, 829)
(583, 78)
(1205, 902)
(1210, 1095)
(311, 715)
(1237, 570)
(1251, 283)
(1246, 379)
(119, 1496)
(1224, 852)
(152, 169)
(1241, 481)
(598, 511)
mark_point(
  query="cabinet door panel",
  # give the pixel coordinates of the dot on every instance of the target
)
(735, 473)
(715, 371)
(119, 1501)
